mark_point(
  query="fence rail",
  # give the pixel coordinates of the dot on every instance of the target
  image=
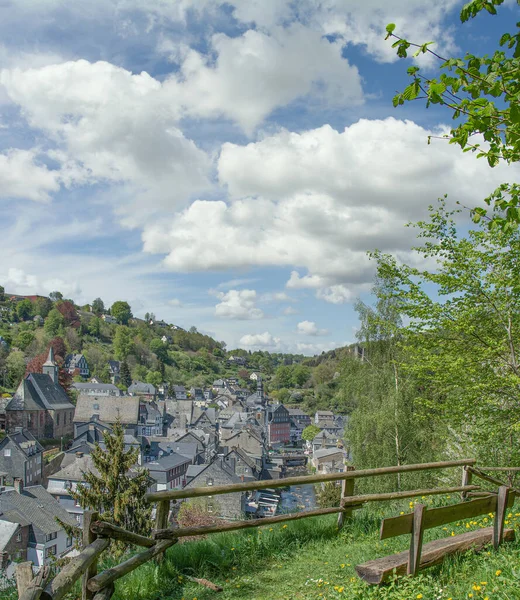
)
(98, 534)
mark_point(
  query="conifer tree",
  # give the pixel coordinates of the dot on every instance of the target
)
(124, 373)
(113, 491)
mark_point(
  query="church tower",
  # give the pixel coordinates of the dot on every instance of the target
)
(50, 367)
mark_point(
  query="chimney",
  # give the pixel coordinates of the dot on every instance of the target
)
(18, 485)
(79, 454)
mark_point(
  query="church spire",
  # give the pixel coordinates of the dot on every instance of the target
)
(50, 367)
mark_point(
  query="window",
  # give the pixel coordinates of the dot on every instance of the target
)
(51, 551)
(69, 542)
(51, 536)
(7, 452)
(18, 537)
(95, 406)
(78, 518)
(57, 419)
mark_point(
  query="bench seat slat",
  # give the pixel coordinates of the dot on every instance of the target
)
(378, 570)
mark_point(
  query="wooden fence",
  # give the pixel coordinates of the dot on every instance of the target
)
(98, 534)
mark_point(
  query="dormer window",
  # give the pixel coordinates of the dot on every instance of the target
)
(209, 481)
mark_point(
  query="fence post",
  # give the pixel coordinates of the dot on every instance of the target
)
(88, 537)
(347, 489)
(24, 576)
(161, 520)
(467, 477)
(414, 557)
(500, 515)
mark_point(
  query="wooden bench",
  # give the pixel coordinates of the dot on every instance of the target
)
(419, 556)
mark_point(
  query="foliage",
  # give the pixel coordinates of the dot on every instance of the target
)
(121, 311)
(98, 306)
(54, 323)
(15, 365)
(482, 92)
(116, 489)
(56, 296)
(24, 338)
(310, 432)
(463, 338)
(123, 342)
(328, 494)
(159, 348)
(24, 310)
(60, 351)
(67, 310)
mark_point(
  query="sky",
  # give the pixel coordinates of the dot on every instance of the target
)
(225, 165)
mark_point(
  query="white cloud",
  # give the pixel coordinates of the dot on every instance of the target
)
(310, 328)
(236, 282)
(120, 127)
(21, 176)
(323, 198)
(256, 72)
(260, 340)
(18, 281)
(238, 304)
(290, 310)
(175, 302)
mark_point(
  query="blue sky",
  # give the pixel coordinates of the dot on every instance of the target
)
(222, 164)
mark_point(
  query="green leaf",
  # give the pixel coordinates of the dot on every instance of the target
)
(514, 112)
(390, 28)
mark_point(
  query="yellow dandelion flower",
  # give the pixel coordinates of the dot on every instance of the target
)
(284, 526)
(419, 596)
(342, 565)
(498, 572)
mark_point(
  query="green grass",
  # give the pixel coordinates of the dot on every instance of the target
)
(309, 559)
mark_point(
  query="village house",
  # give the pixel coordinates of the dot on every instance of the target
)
(329, 460)
(34, 507)
(114, 368)
(91, 433)
(108, 410)
(179, 392)
(97, 389)
(146, 391)
(14, 541)
(228, 506)
(61, 483)
(76, 364)
(41, 405)
(21, 457)
(278, 425)
(248, 440)
(299, 417)
(150, 419)
(168, 471)
(109, 319)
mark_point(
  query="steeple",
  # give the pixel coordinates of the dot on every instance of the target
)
(50, 367)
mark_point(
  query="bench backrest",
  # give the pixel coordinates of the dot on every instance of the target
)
(434, 517)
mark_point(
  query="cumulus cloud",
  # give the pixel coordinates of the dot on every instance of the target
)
(238, 304)
(257, 72)
(290, 310)
(323, 198)
(120, 127)
(310, 328)
(18, 281)
(22, 176)
(260, 340)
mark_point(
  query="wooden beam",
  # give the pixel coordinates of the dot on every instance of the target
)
(505, 469)
(478, 473)
(167, 534)
(347, 489)
(406, 494)
(24, 576)
(435, 517)
(300, 480)
(500, 515)
(414, 554)
(88, 537)
(104, 579)
(105, 593)
(377, 571)
(104, 529)
(67, 577)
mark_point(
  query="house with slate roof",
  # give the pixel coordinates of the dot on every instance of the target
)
(168, 471)
(107, 409)
(218, 472)
(76, 364)
(14, 540)
(114, 368)
(97, 389)
(34, 507)
(150, 419)
(21, 457)
(41, 405)
(143, 390)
